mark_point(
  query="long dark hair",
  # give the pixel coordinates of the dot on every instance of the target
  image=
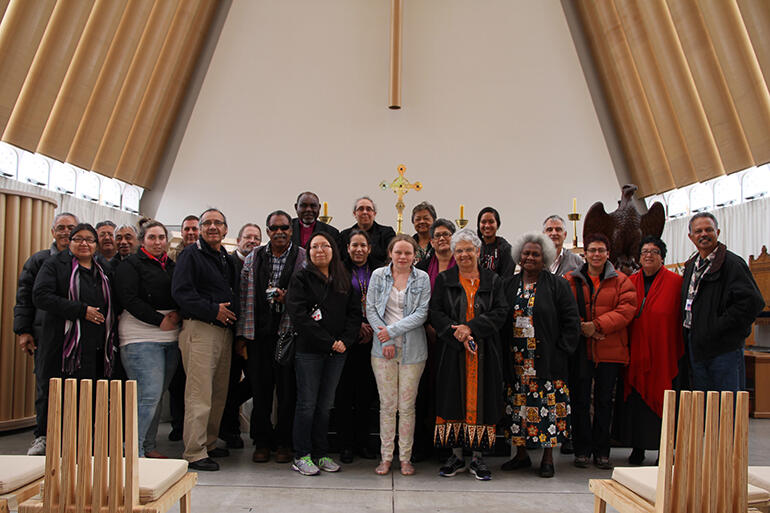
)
(483, 211)
(338, 275)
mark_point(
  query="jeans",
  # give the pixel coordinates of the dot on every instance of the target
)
(593, 437)
(317, 378)
(151, 364)
(723, 373)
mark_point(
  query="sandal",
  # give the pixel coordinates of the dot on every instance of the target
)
(383, 468)
(407, 469)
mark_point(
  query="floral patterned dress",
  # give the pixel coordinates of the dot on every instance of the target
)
(538, 409)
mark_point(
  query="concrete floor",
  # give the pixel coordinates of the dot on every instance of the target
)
(243, 486)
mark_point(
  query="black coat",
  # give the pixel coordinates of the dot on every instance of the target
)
(380, 236)
(340, 313)
(557, 326)
(727, 302)
(447, 307)
(51, 294)
(319, 227)
(27, 318)
(505, 266)
(203, 279)
(238, 264)
(143, 287)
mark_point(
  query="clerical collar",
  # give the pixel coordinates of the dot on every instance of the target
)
(240, 255)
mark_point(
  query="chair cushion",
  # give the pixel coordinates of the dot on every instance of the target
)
(157, 475)
(760, 476)
(644, 481)
(17, 471)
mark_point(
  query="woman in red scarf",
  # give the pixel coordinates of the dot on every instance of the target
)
(655, 339)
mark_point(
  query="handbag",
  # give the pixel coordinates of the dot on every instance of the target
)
(285, 347)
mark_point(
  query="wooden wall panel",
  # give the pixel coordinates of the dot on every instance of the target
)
(21, 29)
(81, 78)
(46, 74)
(134, 88)
(111, 78)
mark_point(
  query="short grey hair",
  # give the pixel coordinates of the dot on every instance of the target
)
(700, 215)
(465, 235)
(555, 217)
(130, 227)
(63, 214)
(374, 205)
(545, 243)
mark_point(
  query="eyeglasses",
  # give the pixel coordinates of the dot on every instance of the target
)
(215, 222)
(443, 235)
(600, 251)
(80, 240)
(650, 252)
(320, 247)
(282, 227)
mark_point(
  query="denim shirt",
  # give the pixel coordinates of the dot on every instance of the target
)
(416, 300)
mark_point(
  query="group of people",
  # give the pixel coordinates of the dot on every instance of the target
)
(461, 335)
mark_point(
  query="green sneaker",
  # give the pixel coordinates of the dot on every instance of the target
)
(305, 466)
(328, 465)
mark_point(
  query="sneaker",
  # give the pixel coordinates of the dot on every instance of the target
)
(581, 461)
(452, 466)
(305, 466)
(328, 465)
(480, 470)
(38, 447)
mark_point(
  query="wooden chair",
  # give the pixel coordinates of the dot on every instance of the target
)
(20, 479)
(709, 473)
(85, 474)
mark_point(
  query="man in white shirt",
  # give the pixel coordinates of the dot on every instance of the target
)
(556, 229)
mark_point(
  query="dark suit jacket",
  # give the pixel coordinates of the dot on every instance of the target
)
(318, 227)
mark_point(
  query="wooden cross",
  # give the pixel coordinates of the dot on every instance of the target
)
(400, 187)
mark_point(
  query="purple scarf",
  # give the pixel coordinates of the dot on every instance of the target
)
(72, 349)
(433, 268)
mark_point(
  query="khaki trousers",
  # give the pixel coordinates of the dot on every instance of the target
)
(206, 352)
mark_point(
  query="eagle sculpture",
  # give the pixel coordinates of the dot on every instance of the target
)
(625, 228)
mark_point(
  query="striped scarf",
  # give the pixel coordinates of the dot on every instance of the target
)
(72, 331)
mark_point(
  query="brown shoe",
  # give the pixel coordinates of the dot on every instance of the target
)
(261, 455)
(283, 455)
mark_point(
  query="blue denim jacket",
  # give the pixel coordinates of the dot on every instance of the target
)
(415, 347)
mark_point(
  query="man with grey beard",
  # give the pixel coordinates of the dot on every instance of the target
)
(265, 279)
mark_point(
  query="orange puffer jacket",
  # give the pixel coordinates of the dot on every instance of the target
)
(611, 307)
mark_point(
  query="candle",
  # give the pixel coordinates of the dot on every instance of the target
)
(326, 209)
(574, 205)
(462, 211)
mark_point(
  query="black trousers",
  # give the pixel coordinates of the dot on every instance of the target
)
(265, 376)
(176, 398)
(593, 437)
(238, 392)
(356, 392)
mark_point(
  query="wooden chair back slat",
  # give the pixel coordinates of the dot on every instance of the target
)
(85, 426)
(740, 467)
(725, 452)
(710, 445)
(131, 498)
(69, 444)
(695, 453)
(115, 498)
(53, 446)
(666, 453)
(100, 445)
(682, 459)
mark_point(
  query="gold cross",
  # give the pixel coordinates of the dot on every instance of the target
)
(400, 187)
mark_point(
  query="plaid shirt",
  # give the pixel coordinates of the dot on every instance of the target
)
(702, 265)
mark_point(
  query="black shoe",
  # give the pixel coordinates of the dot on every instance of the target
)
(567, 447)
(516, 463)
(602, 462)
(637, 457)
(581, 461)
(346, 455)
(218, 452)
(368, 453)
(206, 464)
(452, 466)
(480, 470)
(175, 435)
(546, 469)
(232, 441)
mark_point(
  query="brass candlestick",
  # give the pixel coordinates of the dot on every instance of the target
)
(326, 218)
(461, 222)
(574, 216)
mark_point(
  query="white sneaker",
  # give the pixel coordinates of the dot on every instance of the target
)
(38, 447)
(305, 466)
(328, 465)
